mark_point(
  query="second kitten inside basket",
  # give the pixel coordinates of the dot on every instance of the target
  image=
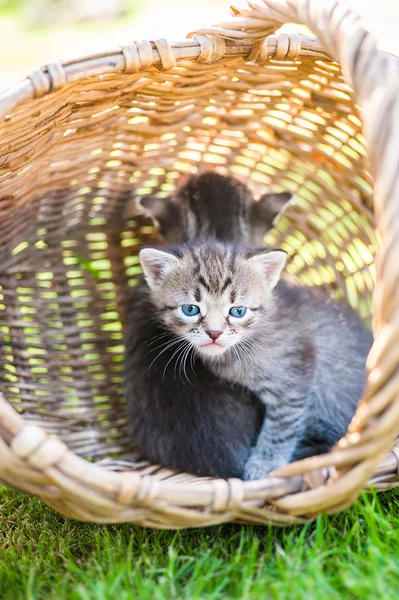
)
(214, 206)
(181, 414)
(303, 355)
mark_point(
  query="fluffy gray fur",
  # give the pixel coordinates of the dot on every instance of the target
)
(180, 413)
(302, 354)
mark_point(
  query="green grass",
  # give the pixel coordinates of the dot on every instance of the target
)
(351, 555)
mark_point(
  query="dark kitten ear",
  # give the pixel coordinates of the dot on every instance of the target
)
(271, 205)
(270, 263)
(154, 206)
(168, 215)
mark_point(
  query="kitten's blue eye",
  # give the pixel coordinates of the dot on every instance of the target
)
(190, 310)
(237, 311)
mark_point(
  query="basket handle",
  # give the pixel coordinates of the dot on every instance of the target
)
(374, 78)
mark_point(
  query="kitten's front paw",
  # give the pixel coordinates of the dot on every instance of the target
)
(256, 468)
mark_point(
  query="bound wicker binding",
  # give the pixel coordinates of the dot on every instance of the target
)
(77, 137)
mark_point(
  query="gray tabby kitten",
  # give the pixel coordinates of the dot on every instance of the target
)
(301, 354)
(180, 413)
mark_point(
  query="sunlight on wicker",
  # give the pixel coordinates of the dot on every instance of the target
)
(79, 140)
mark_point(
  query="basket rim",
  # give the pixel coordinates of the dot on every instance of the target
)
(212, 500)
(52, 76)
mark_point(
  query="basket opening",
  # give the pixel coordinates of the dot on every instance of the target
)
(68, 248)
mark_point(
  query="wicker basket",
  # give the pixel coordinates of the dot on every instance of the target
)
(78, 137)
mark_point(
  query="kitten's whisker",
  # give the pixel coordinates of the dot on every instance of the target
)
(242, 357)
(173, 343)
(162, 344)
(167, 343)
(261, 358)
(158, 337)
(180, 361)
(179, 358)
(238, 359)
(192, 360)
(189, 353)
(252, 348)
(247, 357)
(248, 342)
(183, 362)
(172, 357)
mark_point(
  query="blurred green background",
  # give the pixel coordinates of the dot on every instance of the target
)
(34, 32)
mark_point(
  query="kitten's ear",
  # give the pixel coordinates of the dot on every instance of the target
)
(270, 263)
(157, 265)
(269, 206)
(168, 216)
(154, 206)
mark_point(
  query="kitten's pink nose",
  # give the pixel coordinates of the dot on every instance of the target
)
(214, 334)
